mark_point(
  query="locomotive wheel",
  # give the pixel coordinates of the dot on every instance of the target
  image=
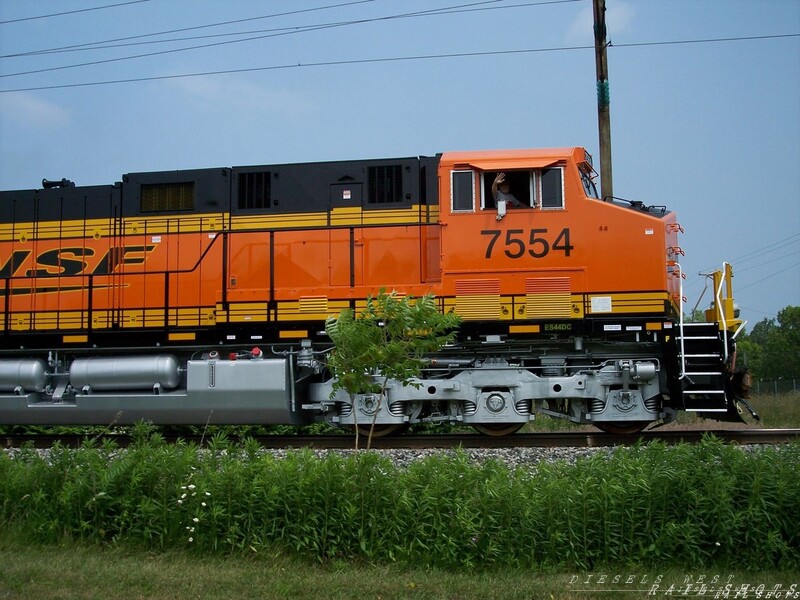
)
(383, 430)
(498, 429)
(623, 428)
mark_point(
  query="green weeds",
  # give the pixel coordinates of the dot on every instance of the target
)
(687, 506)
(782, 410)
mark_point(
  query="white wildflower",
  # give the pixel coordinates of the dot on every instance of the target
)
(202, 504)
(196, 520)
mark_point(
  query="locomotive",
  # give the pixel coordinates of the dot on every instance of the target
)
(200, 296)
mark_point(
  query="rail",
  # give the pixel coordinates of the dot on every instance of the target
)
(570, 439)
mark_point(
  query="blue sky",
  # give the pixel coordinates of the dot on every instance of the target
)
(710, 129)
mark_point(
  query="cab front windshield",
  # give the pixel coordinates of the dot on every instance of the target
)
(588, 185)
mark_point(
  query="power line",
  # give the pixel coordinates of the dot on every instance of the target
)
(202, 46)
(218, 24)
(356, 62)
(331, 63)
(763, 312)
(739, 288)
(72, 12)
(777, 245)
(88, 46)
(761, 264)
(707, 40)
(96, 45)
(758, 252)
(792, 239)
(443, 10)
(749, 285)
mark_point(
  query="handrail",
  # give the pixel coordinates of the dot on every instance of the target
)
(680, 319)
(203, 254)
(221, 234)
(721, 309)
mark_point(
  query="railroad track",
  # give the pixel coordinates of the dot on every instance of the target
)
(572, 439)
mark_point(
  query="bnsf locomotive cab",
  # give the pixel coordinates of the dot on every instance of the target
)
(559, 241)
(200, 296)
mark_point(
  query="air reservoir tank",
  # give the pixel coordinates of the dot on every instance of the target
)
(125, 373)
(28, 373)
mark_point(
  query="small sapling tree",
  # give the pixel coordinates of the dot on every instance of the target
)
(388, 340)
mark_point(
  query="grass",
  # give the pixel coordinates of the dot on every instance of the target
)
(67, 571)
(685, 505)
(781, 411)
(160, 521)
(93, 522)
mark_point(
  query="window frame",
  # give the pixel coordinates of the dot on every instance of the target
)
(541, 205)
(453, 174)
(589, 186)
(533, 191)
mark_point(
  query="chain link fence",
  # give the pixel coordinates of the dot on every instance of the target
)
(775, 387)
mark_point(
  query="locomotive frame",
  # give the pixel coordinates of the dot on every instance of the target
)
(199, 296)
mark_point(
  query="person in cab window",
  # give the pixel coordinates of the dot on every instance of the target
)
(502, 191)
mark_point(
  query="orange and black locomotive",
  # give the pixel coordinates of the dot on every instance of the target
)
(200, 296)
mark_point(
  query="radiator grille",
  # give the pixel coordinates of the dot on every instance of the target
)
(548, 297)
(478, 298)
(313, 304)
(167, 196)
(255, 190)
(385, 184)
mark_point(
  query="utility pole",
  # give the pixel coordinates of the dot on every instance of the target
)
(603, 99)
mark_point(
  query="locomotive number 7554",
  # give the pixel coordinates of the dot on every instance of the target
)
(536, 243)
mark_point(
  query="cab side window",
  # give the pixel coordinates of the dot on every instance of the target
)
(552, 181)
(462, 184)
(520, 185)
(530, 188)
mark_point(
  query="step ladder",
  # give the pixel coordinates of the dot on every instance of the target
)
(701, 352)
